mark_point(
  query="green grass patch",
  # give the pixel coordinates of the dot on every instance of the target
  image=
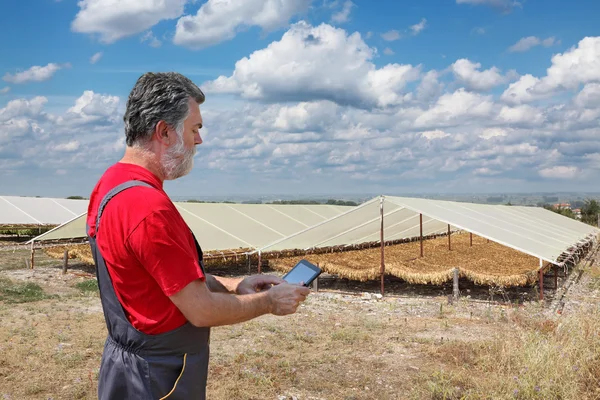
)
(13, 292)
(88, 286)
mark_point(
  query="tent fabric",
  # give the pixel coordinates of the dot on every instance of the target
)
(223, 226)
(361, 225)
(531, 230)
(16, 210)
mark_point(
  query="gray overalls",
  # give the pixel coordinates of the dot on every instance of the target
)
(135, 365)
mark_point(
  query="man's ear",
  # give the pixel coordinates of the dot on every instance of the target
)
(161, 133)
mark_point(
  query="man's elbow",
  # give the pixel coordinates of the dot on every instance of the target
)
(200, 321)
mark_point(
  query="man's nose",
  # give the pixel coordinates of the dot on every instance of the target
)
(197, 139)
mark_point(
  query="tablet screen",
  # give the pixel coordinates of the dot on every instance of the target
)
(300, 273)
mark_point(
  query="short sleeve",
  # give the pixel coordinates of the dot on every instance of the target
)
(162, 245)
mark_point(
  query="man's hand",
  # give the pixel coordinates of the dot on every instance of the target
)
(257, 283)
(285, 298)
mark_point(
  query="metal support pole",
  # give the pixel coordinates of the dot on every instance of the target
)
(541, 280)
(556, 277)
(449, 243)
(316, 282)
(65, 262)
(471, 239)
(32, 255)
(382, 268)
(421, 234)
(455, 286)
(259, 262)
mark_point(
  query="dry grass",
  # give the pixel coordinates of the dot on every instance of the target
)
(539, 360)
(48, 350)
(484, 263)
(330, 350)
(81, 251)
(336, 347)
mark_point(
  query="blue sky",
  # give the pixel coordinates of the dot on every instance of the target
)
(305, 97)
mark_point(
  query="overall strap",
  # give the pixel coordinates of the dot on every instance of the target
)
(112, 193)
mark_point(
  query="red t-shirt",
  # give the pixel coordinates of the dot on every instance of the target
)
(147, 246)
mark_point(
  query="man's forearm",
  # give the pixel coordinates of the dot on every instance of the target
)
(221, 284)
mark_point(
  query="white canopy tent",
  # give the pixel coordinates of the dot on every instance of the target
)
(531, 230)
(16, 210)
(223, 226)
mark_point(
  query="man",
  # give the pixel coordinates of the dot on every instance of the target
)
(158, 301)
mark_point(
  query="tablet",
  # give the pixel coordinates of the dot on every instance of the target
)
(303, 272)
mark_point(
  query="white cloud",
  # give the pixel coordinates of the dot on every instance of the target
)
(391, 36)
(559, 172)
(23, 108)
(579, 65)
(15, 128)
(467, 73)
(589, 96)
(503, 5)
(113, 20)
(430, 87)
(5, 90)
(454, 108)
(95, 58)
(522, 91)
(34, 74)
(524, 44)
(479, 30)
(486, 172)
(220, 20)
(522, 115)
(549, 42)
(369, 35)
(66, 147)
(91, 108)
(417, 28)
(436, 134)
(529, 42)
(322, 115)
(388, 52)
(344, 14)
(490, 133)
(322, 62)
(151, 39)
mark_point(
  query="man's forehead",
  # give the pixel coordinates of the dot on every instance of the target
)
(195, 115)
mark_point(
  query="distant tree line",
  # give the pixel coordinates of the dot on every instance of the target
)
(331, 202)
(203, 201)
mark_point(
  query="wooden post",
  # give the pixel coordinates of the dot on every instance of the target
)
(421, 235)
(32, 255)
(449, 243)
(66, 262)
(382, 267)
(455, 286)
(471, 239)
(541, 278)
(555, 277)
(259, 262)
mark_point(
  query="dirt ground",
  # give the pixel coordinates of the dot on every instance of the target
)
(345, 341)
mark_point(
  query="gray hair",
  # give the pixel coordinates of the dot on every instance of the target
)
(158, 97)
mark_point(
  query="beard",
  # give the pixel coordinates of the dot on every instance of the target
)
(178, 161)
